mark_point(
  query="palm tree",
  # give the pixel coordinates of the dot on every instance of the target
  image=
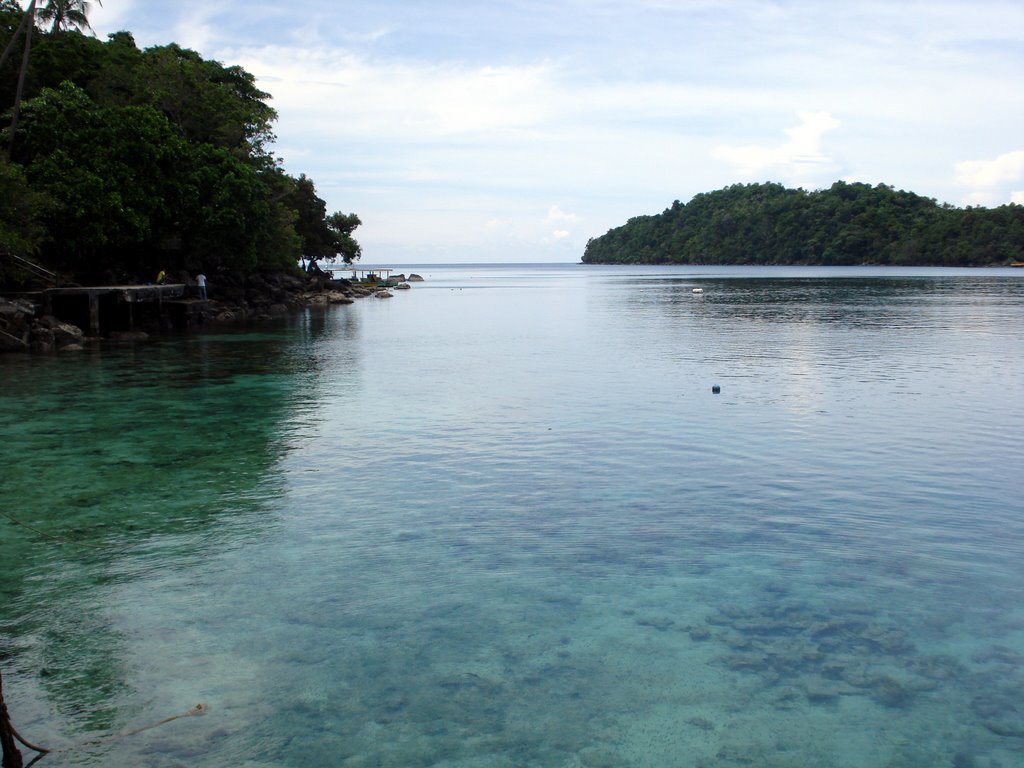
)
(64, 14)
(28, 23)
(67, 14)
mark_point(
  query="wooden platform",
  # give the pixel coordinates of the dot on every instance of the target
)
(62, 301)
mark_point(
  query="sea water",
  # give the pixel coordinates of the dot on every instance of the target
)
(502, 520)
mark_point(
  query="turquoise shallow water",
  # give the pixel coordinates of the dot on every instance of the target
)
(501, 520)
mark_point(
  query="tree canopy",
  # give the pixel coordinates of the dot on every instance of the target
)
(846, 224)
(127, 161)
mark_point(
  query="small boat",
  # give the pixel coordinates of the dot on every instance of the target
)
(698, 290)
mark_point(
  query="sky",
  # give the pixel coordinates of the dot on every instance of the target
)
(515, 130)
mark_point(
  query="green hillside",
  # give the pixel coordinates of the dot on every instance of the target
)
(847, 224)
(117, 162)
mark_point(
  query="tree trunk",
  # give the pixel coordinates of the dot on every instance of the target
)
(17, 33)
(31, 13)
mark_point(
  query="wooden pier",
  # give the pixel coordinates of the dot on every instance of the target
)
(100, 307)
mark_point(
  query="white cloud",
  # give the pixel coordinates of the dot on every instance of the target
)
(195, 29)
(794, 160)
(991, 173)
(110, 16)
(372, 36)
(992, 182)
(337, 92)
(557, 214)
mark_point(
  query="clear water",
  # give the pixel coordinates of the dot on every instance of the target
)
(501, 520)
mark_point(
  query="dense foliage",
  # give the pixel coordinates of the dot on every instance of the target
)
(846, 224)
(127, 161)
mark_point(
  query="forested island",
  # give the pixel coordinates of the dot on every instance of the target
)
(846, 224)
(117, 163)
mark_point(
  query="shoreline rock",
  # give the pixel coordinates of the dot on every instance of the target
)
(24, 327)
(15, 324)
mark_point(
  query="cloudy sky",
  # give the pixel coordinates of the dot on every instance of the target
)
(514, 130)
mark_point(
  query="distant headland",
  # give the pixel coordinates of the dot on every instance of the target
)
(846, 224)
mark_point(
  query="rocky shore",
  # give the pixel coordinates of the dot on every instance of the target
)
(25, 327)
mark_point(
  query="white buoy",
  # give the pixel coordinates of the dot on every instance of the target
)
(698, 290)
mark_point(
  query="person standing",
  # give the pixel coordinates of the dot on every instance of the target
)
(201, 282)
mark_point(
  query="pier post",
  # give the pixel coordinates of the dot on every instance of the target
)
(94, 314)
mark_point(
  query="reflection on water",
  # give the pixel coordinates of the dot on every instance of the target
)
(906, 305)
(122, 463)
(503, 521)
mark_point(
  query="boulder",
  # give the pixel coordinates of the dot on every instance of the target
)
(10, 308)
(128, 336)
(63, 333)
(383, 294)
(42, 339)
(414, 278)
(402, 287)
(15, 321)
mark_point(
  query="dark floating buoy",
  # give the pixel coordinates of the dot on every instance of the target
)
(715, 389)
